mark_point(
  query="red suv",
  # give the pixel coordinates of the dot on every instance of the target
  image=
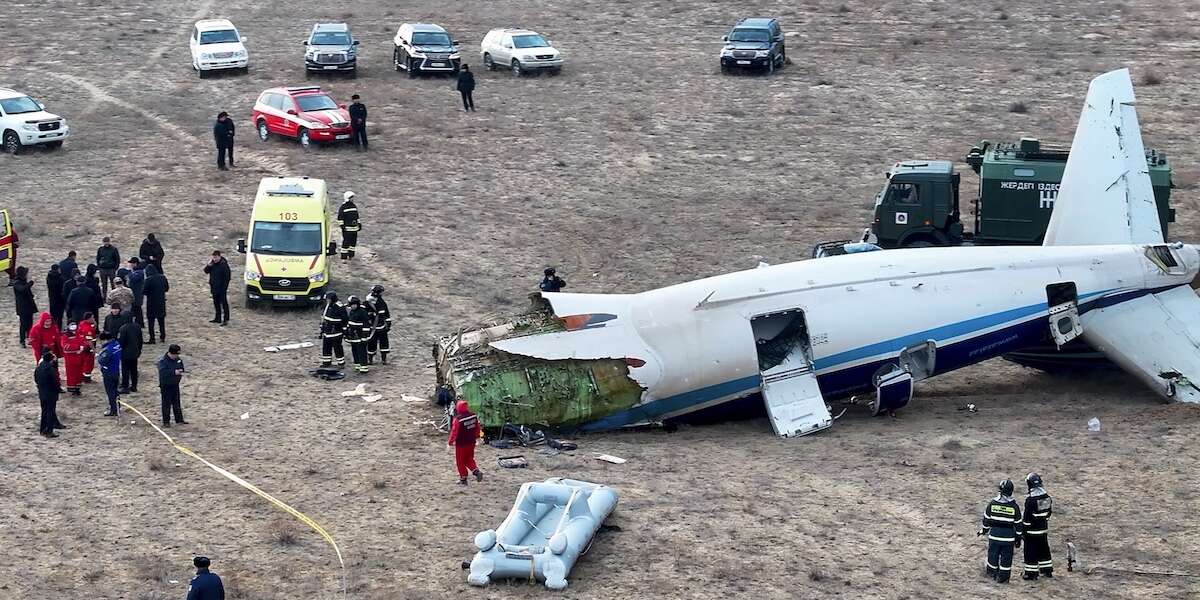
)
(304, 113)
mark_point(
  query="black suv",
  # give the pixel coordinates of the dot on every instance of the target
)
(754, 43)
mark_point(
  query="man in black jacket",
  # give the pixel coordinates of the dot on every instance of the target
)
(49, 387)
(115, 319)
(24, 302)
(383, 324)
(358, 122)
(170, 373)
(333, 326)
(69, 265)
(108, 259)
(136, 280)
(151, 252)
(347, 219)
(54, 292)
(80, 299)
(130, 338)
(218, 284)
(223, 134)
(466, 85)
(358, 333)
(155, 289)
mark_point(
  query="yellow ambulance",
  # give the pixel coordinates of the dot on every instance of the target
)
(287, 247)
(8, 245)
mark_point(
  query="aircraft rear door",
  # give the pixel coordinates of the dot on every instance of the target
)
(1064, 312)
(789, 387)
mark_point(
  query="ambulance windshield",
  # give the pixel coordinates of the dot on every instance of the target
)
(273, 237)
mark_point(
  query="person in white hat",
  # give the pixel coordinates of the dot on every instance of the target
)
(347, 219)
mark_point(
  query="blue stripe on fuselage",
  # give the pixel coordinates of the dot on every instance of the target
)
(846, 381)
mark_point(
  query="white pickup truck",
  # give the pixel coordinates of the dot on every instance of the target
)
(25, 122)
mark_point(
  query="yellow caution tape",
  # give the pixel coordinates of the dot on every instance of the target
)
(303, 518)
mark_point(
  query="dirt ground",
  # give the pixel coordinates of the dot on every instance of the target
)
(640, 166)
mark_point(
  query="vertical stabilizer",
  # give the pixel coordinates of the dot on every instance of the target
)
(1106, 197)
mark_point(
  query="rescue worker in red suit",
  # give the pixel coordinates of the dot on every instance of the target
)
(87, 329)
(464, 433)
(44, 334)
(73, 344)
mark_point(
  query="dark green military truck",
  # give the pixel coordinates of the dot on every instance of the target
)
(1018, 183)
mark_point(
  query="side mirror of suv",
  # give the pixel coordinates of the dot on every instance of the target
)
(331, 249)
(455, 42)
(724, 38)
(241, 246)
(355, 42)
(305, 42)
(291, 111)
(243, 38)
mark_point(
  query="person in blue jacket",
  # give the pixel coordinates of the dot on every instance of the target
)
(110, 368)
(205, 585)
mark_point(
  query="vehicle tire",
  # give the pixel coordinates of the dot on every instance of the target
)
(55, 145)
(246, 70)
(354, 73)
(488, 63)
(263, 133)
(12, 143)
(396, 59)
(771, 67)
(201, 72)
(251, 304)
(556, 71)
(412, 68)
(724, 70)
(305, 140)
(516, 68)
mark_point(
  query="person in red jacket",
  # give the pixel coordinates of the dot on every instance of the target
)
(73, 345)
(44, 335)
(464, 433)
(87, 329)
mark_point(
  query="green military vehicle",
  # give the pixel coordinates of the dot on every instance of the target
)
(1018, 184)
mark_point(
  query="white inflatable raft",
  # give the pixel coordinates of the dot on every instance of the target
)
(549, 527)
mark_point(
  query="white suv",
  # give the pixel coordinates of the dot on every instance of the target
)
(25, 122)
(520, 50)
(216, 45)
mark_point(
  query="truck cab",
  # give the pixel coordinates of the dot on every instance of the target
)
(918, 206)
(287, 245)
(1018, 184)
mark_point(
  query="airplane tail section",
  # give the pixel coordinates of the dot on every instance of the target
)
(1106, 196)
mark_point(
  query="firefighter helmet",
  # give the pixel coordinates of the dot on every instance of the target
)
(1006, 487)
(1033, 480)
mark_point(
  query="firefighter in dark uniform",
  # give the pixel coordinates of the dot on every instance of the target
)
(1002, 524)
(347, 219)
(358, 333)
(383, 323)
(333, 326)
(369, 329)
(1035, 527)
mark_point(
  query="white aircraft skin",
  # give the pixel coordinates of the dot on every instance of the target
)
(691, 346)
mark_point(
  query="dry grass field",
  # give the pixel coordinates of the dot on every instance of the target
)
(639, 166)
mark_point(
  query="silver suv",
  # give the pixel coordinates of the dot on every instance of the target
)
(331, 48)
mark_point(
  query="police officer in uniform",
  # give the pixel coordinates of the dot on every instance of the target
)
(358, 333)
(358, 122)
(383, 324)
(205, 585)
(551, 282)
(1036, 525)
(347, 219)
(1002, 524)
(333, 326)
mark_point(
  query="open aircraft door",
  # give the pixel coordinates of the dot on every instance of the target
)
(8, 245)
(789, 387)
(1064, 312)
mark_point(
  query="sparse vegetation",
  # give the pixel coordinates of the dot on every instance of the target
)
(952, 444)
(156, 464)
(1018, 107)
(283, 532)
(1151, 77)
(154, 569)
(816, 574)
(379, 484)
(1002, 16)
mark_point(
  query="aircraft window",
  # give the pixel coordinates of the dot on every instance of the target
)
(904, 193)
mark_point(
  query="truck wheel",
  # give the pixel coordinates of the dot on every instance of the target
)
(488, 63)
(516, 68)
(55, 145)
(412, 68)
(202, 73)
(12, 143)
(771, 66)
(251, 304)
(263, 132)
(396, 59)
(305, 140)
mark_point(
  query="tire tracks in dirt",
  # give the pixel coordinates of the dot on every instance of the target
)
(100, 96)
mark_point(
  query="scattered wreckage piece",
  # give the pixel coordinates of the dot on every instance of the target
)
(550, 526)
(288, 346)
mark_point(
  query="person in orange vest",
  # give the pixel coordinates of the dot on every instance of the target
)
(464, 434)
(45, 335)
(87, 329)
(73, 344)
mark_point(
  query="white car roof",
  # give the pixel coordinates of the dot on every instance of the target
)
(214, 24)
(424, 27)
(6, 93)
(514, 31)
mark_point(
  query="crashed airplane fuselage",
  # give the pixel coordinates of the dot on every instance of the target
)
(876, 322)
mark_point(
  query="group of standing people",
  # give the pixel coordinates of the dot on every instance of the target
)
(1007, 525)
(364, 324)
(134, 292)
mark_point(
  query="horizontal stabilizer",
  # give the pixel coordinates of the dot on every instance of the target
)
(1106, 196)
(1155, 338)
